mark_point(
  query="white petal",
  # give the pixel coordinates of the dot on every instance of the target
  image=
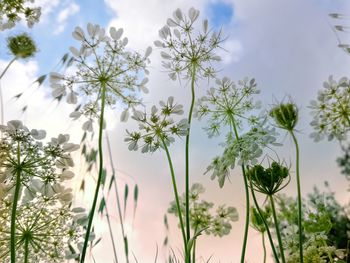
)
(193, 14)
(87, 126)
(178, 15)
(75, 115)
(158, 43)
(148, 52)
(70, 147)
(38, 134)
(125, 41)
(165, 55)
(177, 33)
(91, 29)
(55, 77)
(78, 34)
(205, 25)
(72, 98)
(171, 22)
(124, 116)
(67, 175)
(58, 92)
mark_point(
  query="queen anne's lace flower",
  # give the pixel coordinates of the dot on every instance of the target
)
(226, 103)
(201, 216)
(185, 52)
(46, 231)
(247, 149)
(157, 128)
(102, 61)
(42, 167)
(331, 110)
(12, 11)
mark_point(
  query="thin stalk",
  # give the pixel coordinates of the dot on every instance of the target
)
(265, 223)
(26, 250)
(246, 189)
(194, 251)
(14, 206)
(7, 67)
(280, 244)
(1, 95)
(118, 201)
(100, 173)
(111, 235)
(264, 246)
(187, 178)
(246, 227)
(194, 247)
(299, 198)
(173, 179)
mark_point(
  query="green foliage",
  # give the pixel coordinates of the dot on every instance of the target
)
(326, 227)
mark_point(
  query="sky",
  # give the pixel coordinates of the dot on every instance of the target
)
(287, 46)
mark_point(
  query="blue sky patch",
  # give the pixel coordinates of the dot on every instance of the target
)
(220, 13)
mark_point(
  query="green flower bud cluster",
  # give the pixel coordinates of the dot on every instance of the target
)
(270, 180)
(285, 115)
(21, 46)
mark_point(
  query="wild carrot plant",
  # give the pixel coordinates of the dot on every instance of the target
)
(106, 74)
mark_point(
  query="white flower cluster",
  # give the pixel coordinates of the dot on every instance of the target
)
(332, 110)
(187, 53)
(32, 175)
(247, 149)
(12, 12)
(201, 218)
(157, 128)
(45, 231)
(42, 167)
(227, 103)
(102, 62)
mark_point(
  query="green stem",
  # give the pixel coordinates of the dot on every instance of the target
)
(100, 174)
(173, 179)
(246, 189)
(246, 227)
(265, 223)
(7, 67)
(121, 220)
(299, 198)
(14, 206)
(187, 178)
(264, 246)
(194, 247)
(26, 250)
(111, 235)
(1, 95)
(280, 244)
(194, 251)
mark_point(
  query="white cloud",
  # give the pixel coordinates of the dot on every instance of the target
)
(47, 7)
(57, 12)
(63, 16)
(42, 111)
(141, 20)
